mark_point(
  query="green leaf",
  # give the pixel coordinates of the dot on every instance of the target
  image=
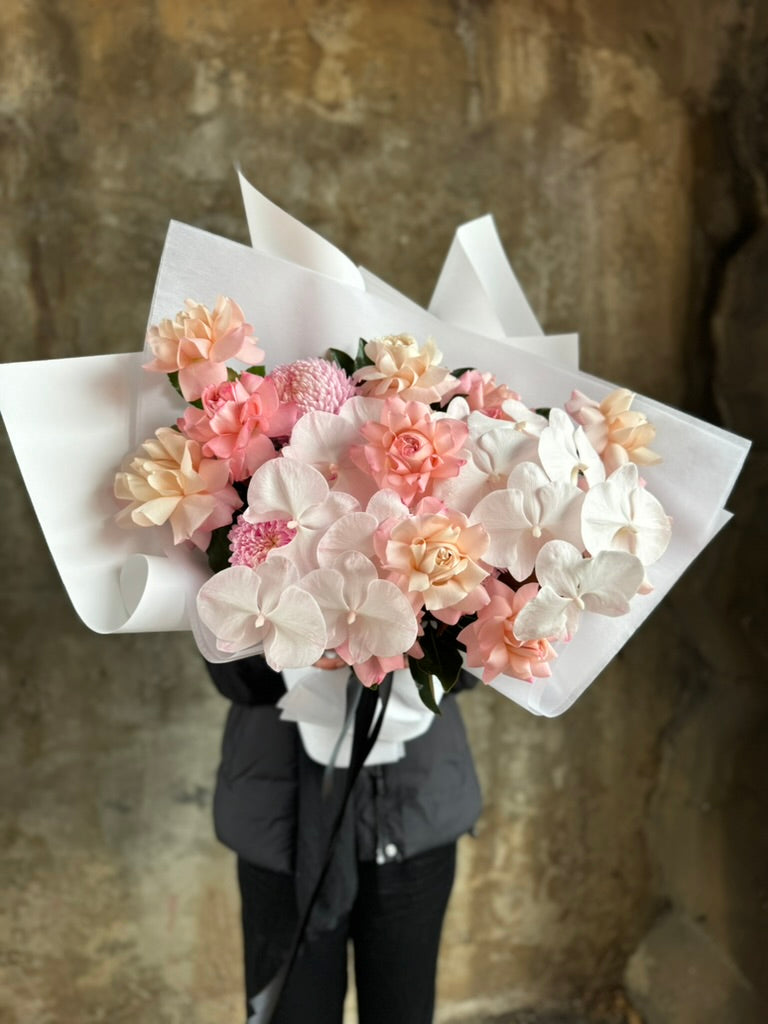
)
(542, 412)
(424, 685)
(460, 372)
(260, 371)
(361, 359)
(174, 379)
(346, 362)
(218, 549)
(442, 652)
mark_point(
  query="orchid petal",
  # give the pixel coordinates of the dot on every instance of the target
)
(228, 603)
(386, 624)
(297, 636)
(355, 531)
(546, 616)
(283, 489)
(620, 515)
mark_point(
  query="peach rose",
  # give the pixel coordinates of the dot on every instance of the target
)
(401, 368)
(435, 555)
(408, 448)
(491, 642)
(168, 480)
(617, 435)
(198, 343)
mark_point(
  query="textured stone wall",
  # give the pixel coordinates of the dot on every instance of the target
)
(622, 149)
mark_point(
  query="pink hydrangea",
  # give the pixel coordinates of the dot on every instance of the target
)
(198, 342)
(236, 421)
(491, 642)
(250, 543)
(312, 384)
(409, 448)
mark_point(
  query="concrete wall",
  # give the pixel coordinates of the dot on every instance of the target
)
(622, 149)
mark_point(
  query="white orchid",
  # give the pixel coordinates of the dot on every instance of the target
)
(566, 452)
(525, 421)
(288, 491)
(355, 530)
(531, 511)
(571, 584)
(322, 440)
(244, 607)
(494, 447)
(620, 515)
(366, 617)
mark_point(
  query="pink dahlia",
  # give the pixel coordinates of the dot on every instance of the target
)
(408, 449)
(250, 543)
(491, 642)
(313, 384)
(483, 393)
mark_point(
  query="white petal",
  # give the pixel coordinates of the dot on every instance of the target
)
(527, 477)
(321, 439)
(619, 515)
(387, 505)
(526, 419)
(386, 624)
(556, 566)
(653, 524)
(358, 572)
(502, 515)
(545, 617)
(297, 636)
(609, 580)
(284, 489)
(274, 575)
(359, 410)
(228, 604)
(464, 491)
(336, 505)
(355, 530)
(327, 588)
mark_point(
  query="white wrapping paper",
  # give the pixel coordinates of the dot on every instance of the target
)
(304, 296)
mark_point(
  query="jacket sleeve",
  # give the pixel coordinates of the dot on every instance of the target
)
(247, 681)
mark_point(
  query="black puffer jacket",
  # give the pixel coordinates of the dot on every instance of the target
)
(268, 791)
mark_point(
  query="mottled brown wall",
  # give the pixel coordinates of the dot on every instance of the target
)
(623, 151)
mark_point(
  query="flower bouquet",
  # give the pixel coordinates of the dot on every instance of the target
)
(461, 494)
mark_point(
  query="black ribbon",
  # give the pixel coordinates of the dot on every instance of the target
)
(362, 703)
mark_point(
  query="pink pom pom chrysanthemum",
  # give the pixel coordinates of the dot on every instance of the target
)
(250, 543)
(313, 384)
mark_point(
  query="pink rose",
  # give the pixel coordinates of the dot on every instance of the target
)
(483, 394)
(198, 343)
(491, 642)
(235, 423)
(168, 480)
(408, 449)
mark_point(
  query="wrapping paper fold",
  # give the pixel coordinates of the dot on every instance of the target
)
(303, 295)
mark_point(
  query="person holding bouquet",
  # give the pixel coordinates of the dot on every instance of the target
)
(391, 871)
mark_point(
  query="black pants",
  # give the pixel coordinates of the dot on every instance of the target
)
(394, 926)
